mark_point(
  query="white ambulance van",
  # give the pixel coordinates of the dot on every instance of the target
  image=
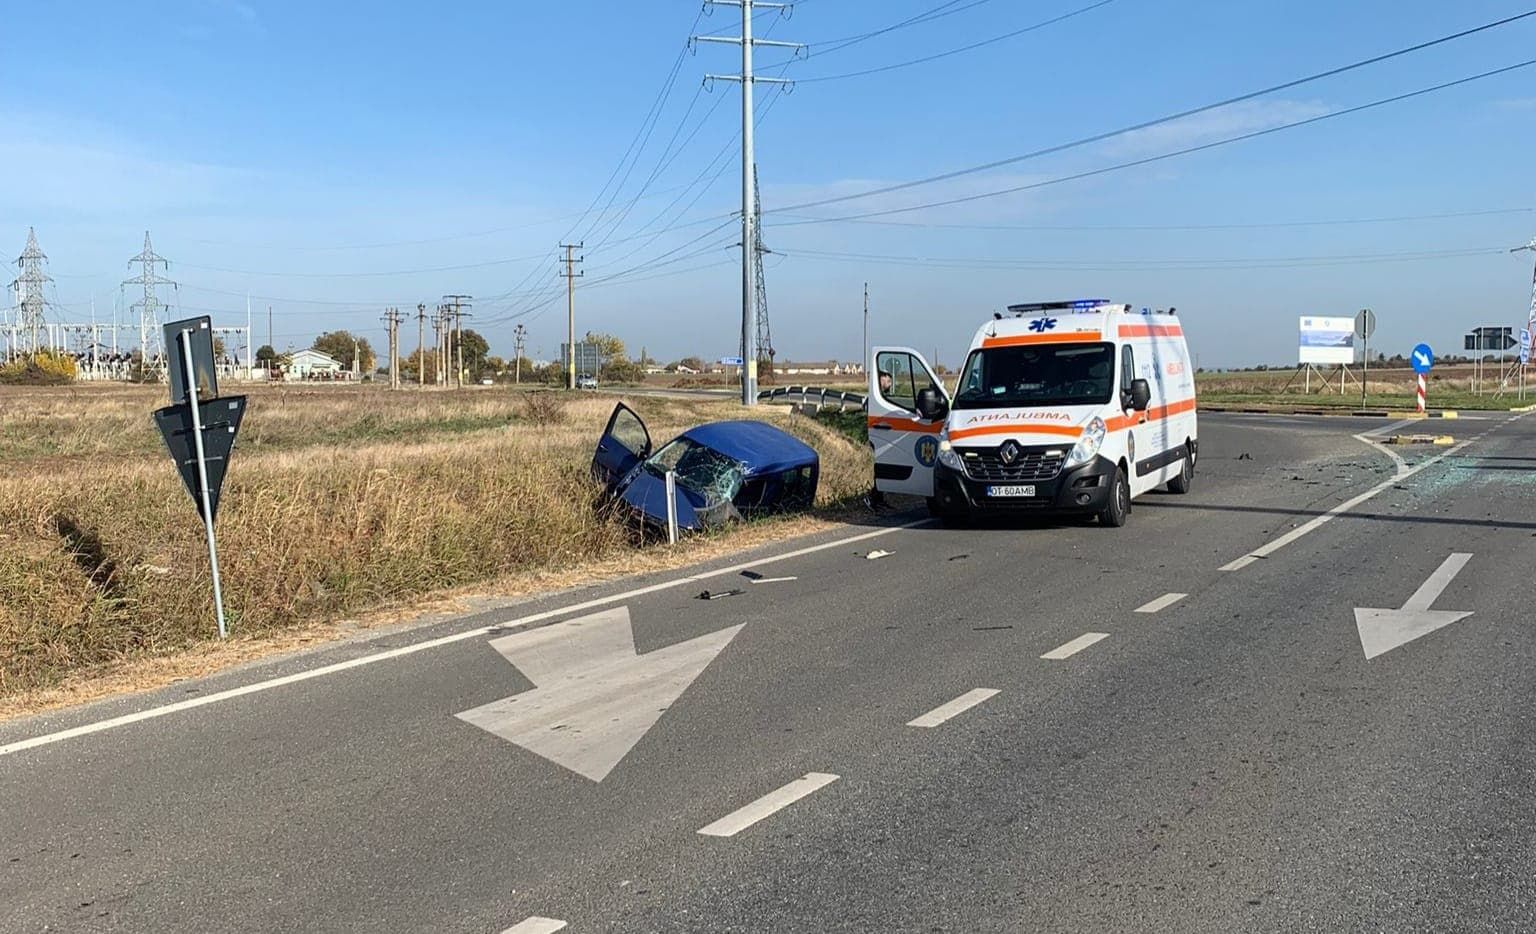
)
(1074, 406)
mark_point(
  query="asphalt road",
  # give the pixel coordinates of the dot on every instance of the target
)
(1228, 759)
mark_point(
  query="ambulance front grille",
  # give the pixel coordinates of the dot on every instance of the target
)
(1031, 465)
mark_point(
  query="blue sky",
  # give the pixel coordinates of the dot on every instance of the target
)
(332, 158)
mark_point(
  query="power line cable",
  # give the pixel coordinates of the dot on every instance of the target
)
(1331, 222)
(965, 48)
(1170, 155)
(1100, 137)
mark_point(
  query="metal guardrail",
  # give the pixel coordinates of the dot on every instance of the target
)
(808, 395)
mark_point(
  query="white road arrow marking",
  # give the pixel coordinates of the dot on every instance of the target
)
(1382, 631)
(594, 697)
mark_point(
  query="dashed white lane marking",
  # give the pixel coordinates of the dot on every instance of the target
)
(1075, 646)
(954, 708)
(1161, 603)
(737, 821)
(1312, 525)
(404, 650)
(535, 925)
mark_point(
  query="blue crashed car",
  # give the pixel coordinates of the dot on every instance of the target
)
(723, 470)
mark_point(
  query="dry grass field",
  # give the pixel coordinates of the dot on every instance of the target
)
(1450, 387)
(338, 500)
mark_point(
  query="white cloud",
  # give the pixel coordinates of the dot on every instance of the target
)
(1223, 122)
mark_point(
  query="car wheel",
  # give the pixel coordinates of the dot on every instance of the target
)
(1181, 483)
(1118, 511)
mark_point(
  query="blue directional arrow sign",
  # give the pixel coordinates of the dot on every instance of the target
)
(1423, 358)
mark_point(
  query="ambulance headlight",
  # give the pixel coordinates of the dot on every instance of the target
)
(1087, 447)
(950, 457)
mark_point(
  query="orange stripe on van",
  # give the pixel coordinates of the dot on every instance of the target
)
(1151, 330)
(903, 424)
(1020, 340)
(1033, 428)
(1151, 415)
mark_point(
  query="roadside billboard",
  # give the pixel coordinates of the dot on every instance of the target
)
(1327, 341)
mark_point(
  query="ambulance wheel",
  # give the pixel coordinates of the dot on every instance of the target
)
(1118, 511)
(1181, 483)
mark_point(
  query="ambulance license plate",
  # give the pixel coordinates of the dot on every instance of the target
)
(1010, 491)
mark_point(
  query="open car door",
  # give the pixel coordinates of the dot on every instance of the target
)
(625, 443)
(906, 444)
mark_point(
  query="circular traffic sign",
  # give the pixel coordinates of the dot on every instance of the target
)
(1365, 323)
(1422, 358)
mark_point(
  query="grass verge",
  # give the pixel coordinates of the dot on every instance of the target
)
(339, 502)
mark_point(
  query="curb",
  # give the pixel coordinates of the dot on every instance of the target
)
(1329, 411)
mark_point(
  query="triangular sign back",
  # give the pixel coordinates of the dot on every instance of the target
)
(221, 422)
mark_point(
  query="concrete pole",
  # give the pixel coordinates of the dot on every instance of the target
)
(748, 268)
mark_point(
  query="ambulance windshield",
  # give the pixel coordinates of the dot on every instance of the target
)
(1037, 374)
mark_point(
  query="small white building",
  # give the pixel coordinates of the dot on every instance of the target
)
(313, 364)
(819, 368)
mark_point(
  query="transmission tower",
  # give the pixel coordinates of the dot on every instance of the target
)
(764, 338)
(149, 306)
(30, 302)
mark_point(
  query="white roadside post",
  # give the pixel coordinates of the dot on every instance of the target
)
(671, 507)
(202, 476)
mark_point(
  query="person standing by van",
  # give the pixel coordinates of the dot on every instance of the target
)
(876, 499)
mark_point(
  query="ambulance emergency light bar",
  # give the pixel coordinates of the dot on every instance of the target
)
(1081, 304)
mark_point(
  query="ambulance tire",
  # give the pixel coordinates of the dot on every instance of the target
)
(1118, 511)
(1186, 477)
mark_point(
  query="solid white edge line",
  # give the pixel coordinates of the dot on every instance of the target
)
(404, 650)
(1076, 645)
(768, 805)
(954, 708)
(536, 925)
(1403, 472)
(1161, 603)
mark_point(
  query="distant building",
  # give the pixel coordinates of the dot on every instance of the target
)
(821, 368)
(313, 364)
(687, 370)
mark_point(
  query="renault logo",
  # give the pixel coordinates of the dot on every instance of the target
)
(1009, 452)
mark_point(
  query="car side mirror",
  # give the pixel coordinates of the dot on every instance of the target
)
(931, 404)
(1141, 394)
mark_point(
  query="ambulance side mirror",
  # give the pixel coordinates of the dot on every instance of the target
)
(1141, 394)
(931, 404)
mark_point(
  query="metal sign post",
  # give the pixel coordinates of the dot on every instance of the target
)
(671, 484)
(1423, 359)
(1365, 326)
(185, 339)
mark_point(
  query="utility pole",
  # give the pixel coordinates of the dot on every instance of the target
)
(389, 330)
(459, 302)
(519, 338)
(421, 345)
(438, 350)
(570, 308)
(864, 364)
(748, 187)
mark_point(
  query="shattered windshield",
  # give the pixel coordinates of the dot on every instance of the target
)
(1050, 374)
(699, 469)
